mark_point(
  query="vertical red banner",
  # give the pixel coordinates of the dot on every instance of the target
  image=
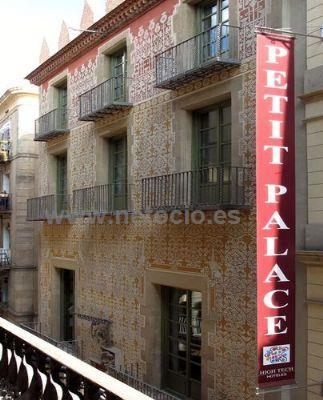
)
(275, 180)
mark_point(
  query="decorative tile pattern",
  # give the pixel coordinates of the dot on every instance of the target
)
(112, 260)
(150, 40)
(81, 79)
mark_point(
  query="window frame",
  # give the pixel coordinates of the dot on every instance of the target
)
(196, 134)
(111, 168)
(119, 79)
(165, 291)
(211, 43)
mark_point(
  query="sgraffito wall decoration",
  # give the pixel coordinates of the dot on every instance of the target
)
(113, 259)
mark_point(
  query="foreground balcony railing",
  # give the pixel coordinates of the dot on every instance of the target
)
(5, 259)
(213, 50)
(5, 202)
(101, 200)
(35, 369)
(207, 188)
(106, 98)
(48, 207)
(51, 124)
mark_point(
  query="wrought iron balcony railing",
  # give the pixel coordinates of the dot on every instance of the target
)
(101, 200)
(48, 207)
(130, 377)
(51, 124)
(73, 347)
(31, 368)
(213, 50)
(5, 202)
(5, 259)
(106, 98)
(207, 188)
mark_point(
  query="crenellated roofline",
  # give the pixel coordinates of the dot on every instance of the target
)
(120, 16)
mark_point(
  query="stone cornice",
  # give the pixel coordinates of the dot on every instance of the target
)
(17, 90)
(310, 258)
(122, 15)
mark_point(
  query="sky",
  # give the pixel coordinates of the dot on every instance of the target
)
(24, 24)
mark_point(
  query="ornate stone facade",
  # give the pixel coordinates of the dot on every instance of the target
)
(111, 262)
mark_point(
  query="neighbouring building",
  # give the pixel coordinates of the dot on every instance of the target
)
(312, 255)
(155, 115)
(18, 157)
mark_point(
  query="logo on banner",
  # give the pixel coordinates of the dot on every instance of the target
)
(276, 354)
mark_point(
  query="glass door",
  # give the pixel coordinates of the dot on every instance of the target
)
(182, 342)
(62, 196)
(119, 173)
(214, 17)
(212, 179)
(209, 22)
(62, 107)
(67, 305)
(119, 71)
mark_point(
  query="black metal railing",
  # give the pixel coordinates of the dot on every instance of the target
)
(73, 347)
(5, 259)
(206, 188)
(51, 124)
(209, 51)
(102, 200)
(5, 202)
(48, 207)
(35, 369)
(106, 98)
(130, 377)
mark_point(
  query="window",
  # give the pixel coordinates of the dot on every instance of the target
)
(62, 105)
(61, 187)
(118, 73)
(214, 20)
(182, 341)
(118, 172)
(212, 153)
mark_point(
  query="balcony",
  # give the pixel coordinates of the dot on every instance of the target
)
(32, 368)
(211, 51)
(51, 124)
(101, 200)
(48, 207)
(5, 151)
(205, 189)
(5, 259)
(130, 374)
(5, 143)
(107, 98)
(5, 203)
(73, 347)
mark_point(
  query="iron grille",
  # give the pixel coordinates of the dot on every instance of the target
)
(48, 207)
(206, 188)
(5, 259)
(106, 98)
(101, 200)
(51, 124)
(213, 50)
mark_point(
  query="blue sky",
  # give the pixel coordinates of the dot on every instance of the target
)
(24, 23)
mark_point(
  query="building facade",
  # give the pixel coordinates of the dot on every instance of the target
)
(18, 108)
(312, 255)
(155, 116)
